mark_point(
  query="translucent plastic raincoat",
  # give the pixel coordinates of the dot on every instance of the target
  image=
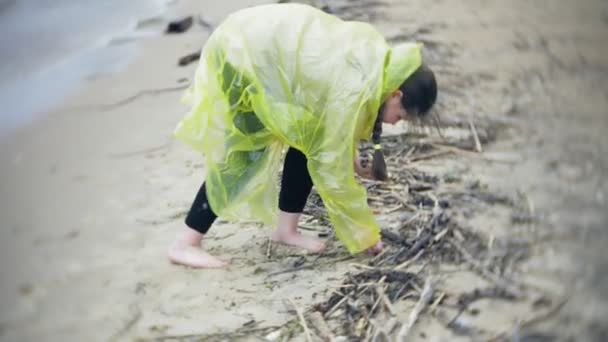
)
(283, 75)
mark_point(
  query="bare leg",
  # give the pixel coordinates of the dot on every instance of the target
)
(186, 250)
(287, 233)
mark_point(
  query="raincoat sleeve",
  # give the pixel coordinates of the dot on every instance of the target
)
(331, 167)
(331, 150)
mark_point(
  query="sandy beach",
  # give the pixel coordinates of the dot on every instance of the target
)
(94, 192)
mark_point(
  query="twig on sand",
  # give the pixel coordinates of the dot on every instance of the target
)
(335, 307)
(302, 321)
(320, 325)
(430, 155)
(380, 255)
(307, 267)
(438, 301)
(507, 158)
(377, 285)
(143, 151)
(411, 219)
(382, 332)
(475, 136)
(385, 300)
(189, 58)
(206, 24)
(440, 235)
(402, 201)
(425, 298)
(409, 152)
(268, 248)
(289, 270)
(108, 106)
(408, 262)
(366, 267)
(376, 303)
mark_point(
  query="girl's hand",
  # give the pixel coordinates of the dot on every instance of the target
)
(365, 172)
(375, 249)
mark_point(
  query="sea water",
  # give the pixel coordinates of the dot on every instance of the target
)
(48, 47)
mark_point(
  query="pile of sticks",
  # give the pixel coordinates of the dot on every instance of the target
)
(430, 233)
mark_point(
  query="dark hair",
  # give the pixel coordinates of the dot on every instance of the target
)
(419, 95)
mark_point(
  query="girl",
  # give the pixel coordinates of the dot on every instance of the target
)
(288, 77)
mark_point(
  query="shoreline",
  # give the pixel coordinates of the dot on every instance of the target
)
(51, 82)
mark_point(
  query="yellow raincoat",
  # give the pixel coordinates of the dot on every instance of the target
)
(284, 75)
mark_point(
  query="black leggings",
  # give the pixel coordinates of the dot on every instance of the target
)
(295, 188)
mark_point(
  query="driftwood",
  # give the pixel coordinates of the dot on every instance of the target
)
(180, 26)
(189, 58)
(432, 233)
(423, 302)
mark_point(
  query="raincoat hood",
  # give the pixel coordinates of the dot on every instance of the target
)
(289, 75)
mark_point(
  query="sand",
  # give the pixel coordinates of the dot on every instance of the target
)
(92, 195)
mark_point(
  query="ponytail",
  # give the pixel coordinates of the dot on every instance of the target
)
(420, 94)
(378, 163)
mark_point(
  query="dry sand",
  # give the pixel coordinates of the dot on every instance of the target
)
(92, 196)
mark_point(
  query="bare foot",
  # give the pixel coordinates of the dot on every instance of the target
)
(187, 251)
(298, 240)
(194, 256)
(375, 249)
